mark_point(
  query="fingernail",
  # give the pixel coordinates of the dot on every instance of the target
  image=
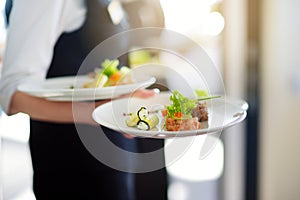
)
(156, 90)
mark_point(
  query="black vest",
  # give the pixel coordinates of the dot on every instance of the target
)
(72, 48)
(50, 142)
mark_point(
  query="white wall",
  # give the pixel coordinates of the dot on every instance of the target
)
(280, 95)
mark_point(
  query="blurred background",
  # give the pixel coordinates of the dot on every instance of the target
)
(255, 46)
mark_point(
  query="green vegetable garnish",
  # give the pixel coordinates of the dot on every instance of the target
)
(201, 93)
(207, 98)
(180, 104)
(109, 66)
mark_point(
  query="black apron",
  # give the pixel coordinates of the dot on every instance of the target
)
(63, 168)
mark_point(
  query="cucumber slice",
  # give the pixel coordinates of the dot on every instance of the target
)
(143, 125)
(142, 113)
(132, 120)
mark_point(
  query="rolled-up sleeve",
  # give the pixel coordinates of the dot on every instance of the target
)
(33, 31)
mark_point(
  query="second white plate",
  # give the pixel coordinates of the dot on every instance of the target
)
(60, 89)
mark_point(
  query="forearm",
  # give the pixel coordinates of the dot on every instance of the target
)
(60, 112)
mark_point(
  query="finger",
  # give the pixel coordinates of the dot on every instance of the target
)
(127, 136)
(140, 93)
(144, 93)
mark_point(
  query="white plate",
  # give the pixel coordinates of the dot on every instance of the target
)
(59, 89)
(223, 113)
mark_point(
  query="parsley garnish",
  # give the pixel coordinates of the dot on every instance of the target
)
(180, 104)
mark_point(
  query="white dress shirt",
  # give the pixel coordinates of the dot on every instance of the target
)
(33, 31)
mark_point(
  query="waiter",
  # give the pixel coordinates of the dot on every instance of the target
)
(51, 38)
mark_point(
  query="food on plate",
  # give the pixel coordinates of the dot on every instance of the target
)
(200, 111)
(182, 114)
(201, 93)
(178, 115)
(132, 120)
(185, 113)
(109, 75)
(181, 124)
(142, 119)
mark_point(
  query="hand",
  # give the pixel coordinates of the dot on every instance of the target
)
(142, 93)
(127, 136)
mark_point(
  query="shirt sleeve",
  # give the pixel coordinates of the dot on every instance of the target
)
(33, 31)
